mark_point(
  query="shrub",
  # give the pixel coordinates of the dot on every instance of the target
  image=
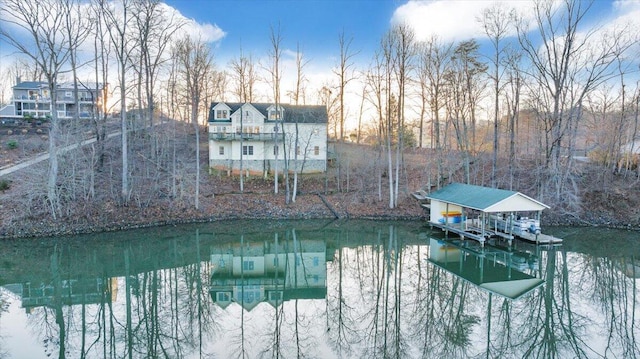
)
(4, 185)
(12, 144)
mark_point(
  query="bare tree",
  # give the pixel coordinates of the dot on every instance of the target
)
(156, 27)
(244, 76)
(345, 74)
(196, 61)
(45, 22)
(514, 88)
(376, 94)
(566, 68)
(434, 59)
(117, 21)
(404, 50)
(275, 53)
(297, 93)
(463, 85)
(495, 21)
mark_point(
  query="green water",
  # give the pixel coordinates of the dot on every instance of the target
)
(318, 289)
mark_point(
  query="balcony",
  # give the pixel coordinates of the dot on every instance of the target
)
(265, 137)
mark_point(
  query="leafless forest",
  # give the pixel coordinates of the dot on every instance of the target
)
(551, 112)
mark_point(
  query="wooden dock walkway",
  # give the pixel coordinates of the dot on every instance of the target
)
(459, 231)
(540, 238)
(475, 233)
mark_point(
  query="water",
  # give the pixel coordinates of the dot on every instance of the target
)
(318, 289)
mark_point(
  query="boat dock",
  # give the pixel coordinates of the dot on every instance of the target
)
(496, 212)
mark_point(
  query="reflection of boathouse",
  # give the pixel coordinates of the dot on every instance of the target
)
(253, 272)
(493, 269)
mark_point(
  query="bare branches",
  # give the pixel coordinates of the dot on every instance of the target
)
(244, 74)
(345, 74)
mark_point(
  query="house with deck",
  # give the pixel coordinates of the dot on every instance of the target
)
(256, 135)
(32, 99)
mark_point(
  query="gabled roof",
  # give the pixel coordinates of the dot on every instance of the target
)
(292, 113)
(486, 199)
(30, 85)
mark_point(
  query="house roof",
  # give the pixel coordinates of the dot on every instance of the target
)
(26, 85)
(30, 85)
(292, 113)
(486, 199)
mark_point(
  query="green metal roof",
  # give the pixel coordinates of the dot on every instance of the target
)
(476, 197)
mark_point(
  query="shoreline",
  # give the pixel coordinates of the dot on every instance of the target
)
(237, 206)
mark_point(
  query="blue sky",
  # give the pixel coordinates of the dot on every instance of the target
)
(314, 24)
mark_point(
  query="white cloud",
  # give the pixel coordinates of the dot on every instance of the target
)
(207, 32)
(450, 20)
(627, 13)
(204, 31)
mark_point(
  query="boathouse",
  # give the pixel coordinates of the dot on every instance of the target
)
(479, 212)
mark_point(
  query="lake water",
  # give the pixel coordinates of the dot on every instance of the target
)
(318, 289)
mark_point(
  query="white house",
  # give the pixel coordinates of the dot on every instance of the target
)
(31, 99)
(255, 134)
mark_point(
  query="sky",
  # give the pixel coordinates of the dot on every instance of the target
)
(315, 25)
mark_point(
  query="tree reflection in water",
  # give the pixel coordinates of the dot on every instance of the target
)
(315, 289)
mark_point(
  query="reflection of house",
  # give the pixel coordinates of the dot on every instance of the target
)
(253, 133)
(73, 291)
(273, 272)
(490, 268)
(32, 99)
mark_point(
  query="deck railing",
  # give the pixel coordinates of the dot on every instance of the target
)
(230, 136)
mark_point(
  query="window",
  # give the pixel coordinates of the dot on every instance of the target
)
(247, 150)
(248, 118)
(298, 149)
(68, 94)
(275, 150)
(223, 297)
(316, 261)
(316, 150)
(275, 296)
(222, 114)
(247, 265)
(221, 150)
(274, 115)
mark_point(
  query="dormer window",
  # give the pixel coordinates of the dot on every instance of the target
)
(274, 115)
(222, 114)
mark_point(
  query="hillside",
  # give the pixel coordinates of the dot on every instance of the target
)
(351, 187)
